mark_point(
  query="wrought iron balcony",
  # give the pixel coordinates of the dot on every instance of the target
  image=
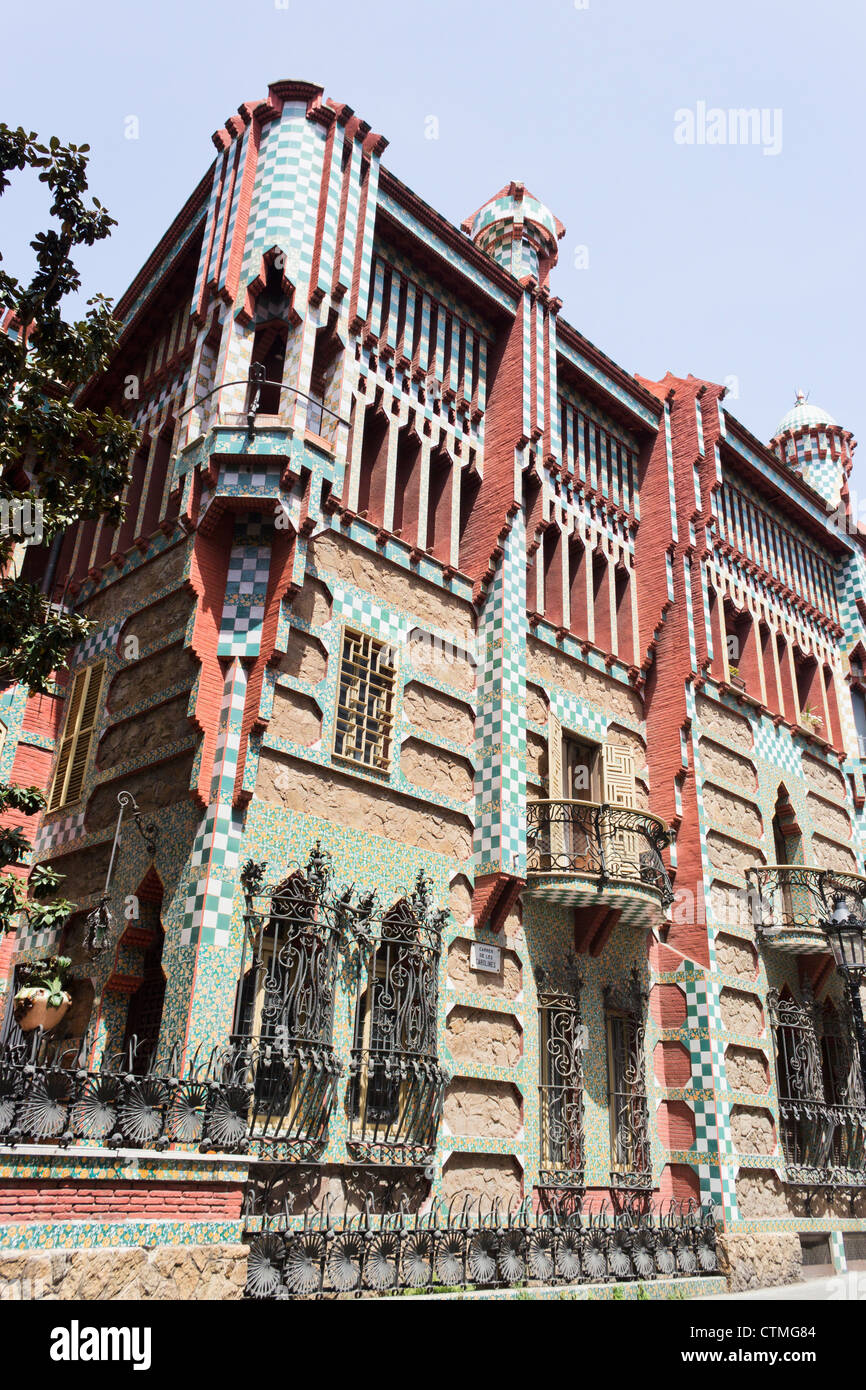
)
(577, 849)
(331, 1252)
(824, 1145)
(792, 903)
(51, 1093)
(289, 1086)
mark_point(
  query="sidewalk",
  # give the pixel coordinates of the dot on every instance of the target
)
(834, 1288)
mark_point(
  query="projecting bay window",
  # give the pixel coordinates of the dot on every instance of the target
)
(284, 1015)
(76, 741)
(626, 1079)
(822, 1118)
(365, 702)
(395, 1093)
(560, 1090)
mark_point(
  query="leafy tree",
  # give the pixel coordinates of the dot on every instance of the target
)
(63, 461)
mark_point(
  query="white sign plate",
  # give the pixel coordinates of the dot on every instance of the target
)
(484, 957)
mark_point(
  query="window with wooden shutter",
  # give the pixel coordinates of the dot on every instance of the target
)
(77, 738)
(621, 847)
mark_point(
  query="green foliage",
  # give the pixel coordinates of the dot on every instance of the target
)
(64, 460)
(50, 974)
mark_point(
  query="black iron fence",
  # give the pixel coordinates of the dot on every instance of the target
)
(51, 1093)
(602, 841)
(473, 1243)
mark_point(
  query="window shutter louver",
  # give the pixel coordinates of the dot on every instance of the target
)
(554, 777)
(620, 846)
(77, 737)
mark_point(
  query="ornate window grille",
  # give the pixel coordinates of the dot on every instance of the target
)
(560, 1089)
(625, 1019)
(396, 1089)
(822, 1116)
(365, 697)
(285, 1008)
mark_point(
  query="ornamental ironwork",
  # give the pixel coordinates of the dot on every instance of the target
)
(560, 1087)
(822, 1116)
(396, 1085)
(473, 1243)
(301, 935)
(51, 1093)
(625, 1020)
(609, 843)
(802, 898)
(296, 934)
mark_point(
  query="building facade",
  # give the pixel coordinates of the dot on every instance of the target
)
(456, 784)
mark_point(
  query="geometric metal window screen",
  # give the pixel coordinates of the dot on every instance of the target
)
(364, 724)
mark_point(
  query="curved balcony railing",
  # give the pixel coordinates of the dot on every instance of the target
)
(791, 903)
(598, 840)
(824, 1145)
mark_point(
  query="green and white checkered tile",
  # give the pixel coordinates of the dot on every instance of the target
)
(59, 832)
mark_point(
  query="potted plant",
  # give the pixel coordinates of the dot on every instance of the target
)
(810, 720)
(42, 999)
(736, 678)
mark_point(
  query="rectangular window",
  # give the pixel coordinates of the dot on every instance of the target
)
(629, 1131)
(365, 702)
(77, 739)
(560, 1090)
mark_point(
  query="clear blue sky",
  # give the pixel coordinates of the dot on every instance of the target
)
(715, 259)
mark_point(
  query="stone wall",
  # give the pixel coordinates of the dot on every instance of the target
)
(759, 1261)
(549, 667)
(722, 724)
(436, 769)
(725, 763)
(305, 659)
(159, 619)
(752, 1130)
(741, 1012)
(732, 812)
(436, 713)
(483, 1175)
(143, 736)
(506, 984)
(160, 785)
(349, 801)
(141, 679)
(747, 1069)
(378, 576)
(481, 1108)
(736, 957)
(485, 1038)
(178, 1272)
(295, 717)
(135, 587)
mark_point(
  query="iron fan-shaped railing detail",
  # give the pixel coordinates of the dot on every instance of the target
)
(474, 1243)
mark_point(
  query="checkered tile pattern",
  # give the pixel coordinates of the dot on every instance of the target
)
(246, 589)
(58, 832)
(500, 782)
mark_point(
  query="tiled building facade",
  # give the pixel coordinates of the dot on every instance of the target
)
(546, 656)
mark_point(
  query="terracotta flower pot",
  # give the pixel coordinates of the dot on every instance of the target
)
(32, 1010)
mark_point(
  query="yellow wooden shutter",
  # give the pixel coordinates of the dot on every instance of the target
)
(554, 777)
(621, 848)
(619, 782)
(77, 738)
